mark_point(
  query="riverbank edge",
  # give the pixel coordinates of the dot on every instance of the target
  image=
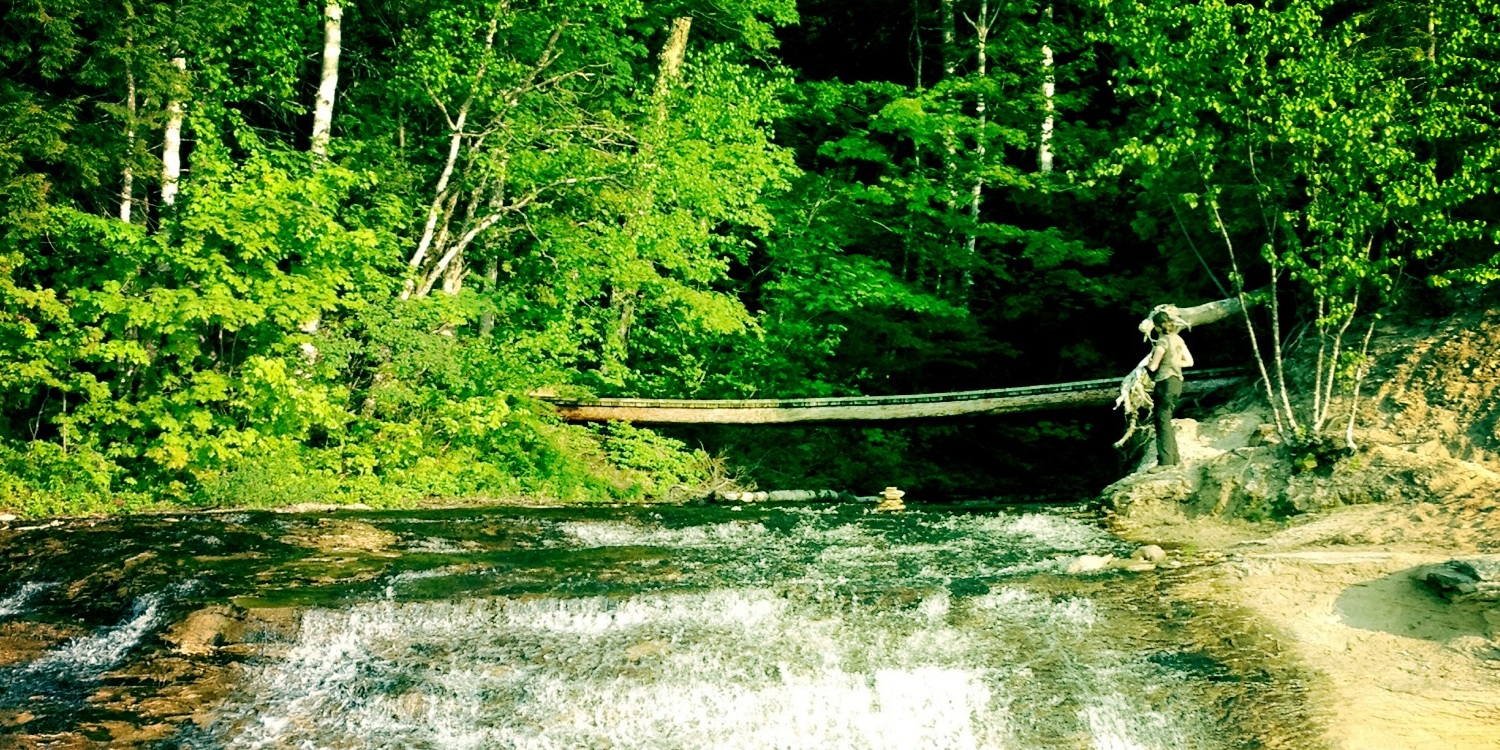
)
(1330, 559)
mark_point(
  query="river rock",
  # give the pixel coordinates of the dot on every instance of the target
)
(203, 631)
(1473, 579)
(1150, 553)
(1492, 619)
(342, 535)
(647, 649)
(1090, 563)
(1132, 565)
(7, 517)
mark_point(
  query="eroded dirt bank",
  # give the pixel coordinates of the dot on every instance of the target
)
(1333, 558)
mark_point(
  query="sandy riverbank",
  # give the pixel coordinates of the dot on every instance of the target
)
(1395, 666)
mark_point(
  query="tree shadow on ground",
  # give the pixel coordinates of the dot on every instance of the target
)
(1401, 604)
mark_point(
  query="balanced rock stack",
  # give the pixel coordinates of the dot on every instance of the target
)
(890, 500)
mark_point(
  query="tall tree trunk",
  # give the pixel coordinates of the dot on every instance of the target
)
(322, 130)
(617, 338)
(1049, 90)
(1431, 35)
(127, 182)
(950, 139)
(491, 282)
(328, 86)
(171, 154)
(624, 296)
(672, 55)
(982, 35)
(453, 276)
(455, 144)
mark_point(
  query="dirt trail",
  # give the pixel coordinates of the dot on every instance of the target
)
(1396, 667)
(1404, 669)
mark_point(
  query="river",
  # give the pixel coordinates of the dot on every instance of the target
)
(762, 626)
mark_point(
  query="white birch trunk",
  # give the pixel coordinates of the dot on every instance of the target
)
(982, 35)
(127, 182)
(672, 55)
(322, 130)
(171, 154)
(950, 67)
(1049, 91)
(455, 145)
(1431, 36)
(1359, 379)
(622, 298)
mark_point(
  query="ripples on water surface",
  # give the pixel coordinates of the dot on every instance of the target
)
(767, 627)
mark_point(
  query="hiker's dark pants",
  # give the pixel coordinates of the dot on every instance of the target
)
(1168, 392)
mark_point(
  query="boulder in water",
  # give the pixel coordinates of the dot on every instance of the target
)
(204, 631)
(1150, 553)
(1090, 563)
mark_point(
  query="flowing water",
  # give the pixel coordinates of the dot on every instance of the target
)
(758, 627)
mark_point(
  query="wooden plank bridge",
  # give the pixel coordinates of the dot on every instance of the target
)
(868, 408)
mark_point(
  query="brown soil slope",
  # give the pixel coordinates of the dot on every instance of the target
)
(1339, 582)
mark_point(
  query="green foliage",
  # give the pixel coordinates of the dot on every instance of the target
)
(246, 346)
(520, 196)
(654, 465)
(1308, 453)
(1346, 144)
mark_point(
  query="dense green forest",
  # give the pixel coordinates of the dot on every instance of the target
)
(266, 251)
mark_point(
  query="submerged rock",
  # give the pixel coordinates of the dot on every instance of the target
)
(647, 649)
(204, 630)
(343, 535)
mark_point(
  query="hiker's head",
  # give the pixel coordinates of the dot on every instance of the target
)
(1164, 322)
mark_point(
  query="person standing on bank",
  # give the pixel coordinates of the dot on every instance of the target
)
(1168, 356)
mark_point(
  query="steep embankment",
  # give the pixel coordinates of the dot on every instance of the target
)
(1340, 578)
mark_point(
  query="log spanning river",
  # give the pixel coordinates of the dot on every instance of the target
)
(812, 626)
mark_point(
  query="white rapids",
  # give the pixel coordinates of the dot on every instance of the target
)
(797, 662)
(15, 604)
(87, 656)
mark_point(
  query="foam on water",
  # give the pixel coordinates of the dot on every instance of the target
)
(829, 631)
(1041, 529)
(16, 603)
(622, 534)
(88, 656)
(720, 669)
(1119, 722)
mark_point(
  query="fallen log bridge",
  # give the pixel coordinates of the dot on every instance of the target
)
(868, 408)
